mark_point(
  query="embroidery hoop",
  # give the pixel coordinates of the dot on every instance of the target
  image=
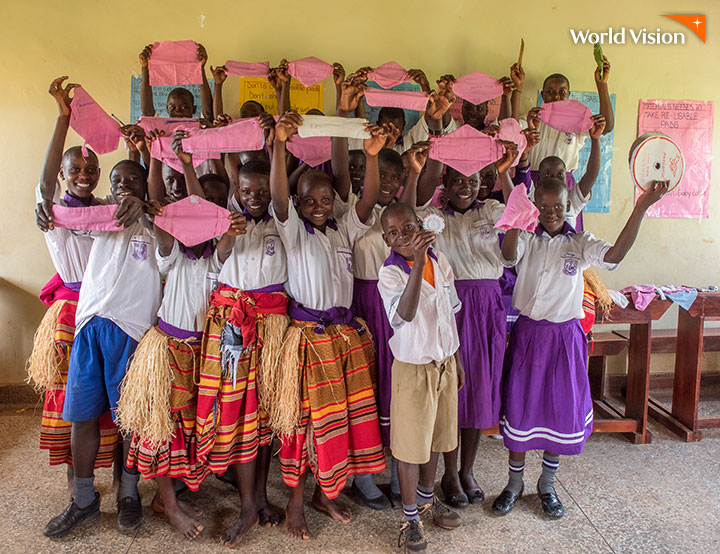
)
(654, 156)
(434, 223)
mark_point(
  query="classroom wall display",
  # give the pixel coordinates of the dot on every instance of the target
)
(411, 116)
(690, 125)
(302, 98)
(160, 94)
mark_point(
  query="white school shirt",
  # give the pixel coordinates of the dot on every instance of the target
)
(420, 132)
(550, 282)
(565, 146)
(470, 240)
(122, 282)
(188, 286)
(576, 199)
(320, 268)
(432, 335)
(258, 257)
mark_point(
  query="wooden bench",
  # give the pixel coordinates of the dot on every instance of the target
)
(604, 343)
(664, 341)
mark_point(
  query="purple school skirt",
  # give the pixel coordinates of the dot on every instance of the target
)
(570, 182)
(546, 402)
(368, 305)
(481, 326)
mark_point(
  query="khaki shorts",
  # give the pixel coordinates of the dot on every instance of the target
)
(423, 410)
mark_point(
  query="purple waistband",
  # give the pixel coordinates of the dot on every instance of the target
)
(545, 322)
(337, 315)
(270, 288)
(75, 287)
(359, 281)
(477, 283)
(176, 332)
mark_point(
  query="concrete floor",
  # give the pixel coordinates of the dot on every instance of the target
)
(662, 497)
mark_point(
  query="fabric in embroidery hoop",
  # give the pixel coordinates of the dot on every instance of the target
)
(434, 223)
(655, 156)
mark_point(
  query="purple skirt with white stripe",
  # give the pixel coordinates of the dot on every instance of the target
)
(368, 304)
(546, 403)
(481, 326)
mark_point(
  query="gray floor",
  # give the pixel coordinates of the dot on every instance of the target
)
(662, 497)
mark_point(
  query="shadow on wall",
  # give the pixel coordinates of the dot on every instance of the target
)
(20, 314)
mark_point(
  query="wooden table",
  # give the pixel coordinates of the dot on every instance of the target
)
(683, 415)
(632, 420)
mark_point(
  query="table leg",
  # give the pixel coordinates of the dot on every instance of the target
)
(686, 383)
(638, 381)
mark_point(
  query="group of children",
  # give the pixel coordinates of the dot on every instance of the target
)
(327, 314)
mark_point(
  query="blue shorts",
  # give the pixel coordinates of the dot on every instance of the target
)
(98, 360)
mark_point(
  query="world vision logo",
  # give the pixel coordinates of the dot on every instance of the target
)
(694, 22)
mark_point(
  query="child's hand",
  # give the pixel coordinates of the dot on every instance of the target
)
(238, 224)
(417, 155)
(377, 140)
(44, 215)
(267, 124)
(338, 74)
(184, 157)
(279, 76)
(508, 85)
(517, 74)
(491, 130)
(62, 95)
(533, 118)
(655, 191)
(154, 208)
(201, 54)
(134, 137)
(130, 209)
(418, 75)
(598, 127)
(145, 55)
(439, 102)
(287, 126)
(448, 79)
(353, 89)
(532, 136)
(509, 157)
(154, 134)
(392, 134)
(205, 123)
(420, 244)
(222, 120)
(605, 73)
(219, 73)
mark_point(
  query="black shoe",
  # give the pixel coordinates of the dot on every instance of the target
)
(504, 503)
(412, 537)
(61, 525)
(379, 503)
(551, 504)
(475, 496)
(130, 515)
(396, 499)
(457, 500)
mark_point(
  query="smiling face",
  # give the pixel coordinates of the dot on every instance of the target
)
(128, 178)
(462, 191)
(175, 186)
(357, 169)
(553, 203)
(474, 114)
(81, 174)
(399, 228)
(253, 193)
(180, 103)
(315, 198)
(391, 175)
(555, 89)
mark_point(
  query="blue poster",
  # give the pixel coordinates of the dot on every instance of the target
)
(160, 94)
(600, 201)
(411, 116)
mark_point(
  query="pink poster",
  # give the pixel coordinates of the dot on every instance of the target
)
(690, 125)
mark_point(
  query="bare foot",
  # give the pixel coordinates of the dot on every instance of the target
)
(183, 523)
(267, 515)
(158, 506)
(295, 524)
(336, 511)
(239, 529)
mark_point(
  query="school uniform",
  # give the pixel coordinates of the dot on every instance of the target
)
(423, 407)
(421, 132)
(338, 433)
(546, 393)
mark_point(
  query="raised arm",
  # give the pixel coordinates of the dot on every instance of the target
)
(445, 87)
(509, 244)
(191, 180)
(438, 107)
(219, 74)
(410, 298)
(417, 156)
(503, 167)
(517, 74)
(286, 127)
(206, 98)
(371, 185)
(279, 78)
(603, 93)
(146, 97)
(505, 102)
(156, 197)
(592, 170)
(351, 92)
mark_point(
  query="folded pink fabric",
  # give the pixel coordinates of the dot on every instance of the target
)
(193, 220)
(175, 62)
(247, 69)
(310, 71)
(477, 87)
(406, 99)
(93, 124)
(161, 149)
(641, 295)
(313, 150)
(519, 212)
(389, 74)
(169, 125)
(467, 150)
(569, 116)
(90, 218)
(239, 136)
(510, 130)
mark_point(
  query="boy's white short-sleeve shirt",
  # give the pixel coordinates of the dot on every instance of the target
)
(565, 146)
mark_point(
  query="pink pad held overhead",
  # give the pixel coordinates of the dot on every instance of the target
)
(90, 218)
(467, 150)
(313, 150)
(519, 212)
(193, 220)
(310, 71)
(239, 136)
(569, 116)
(93, 124)
(389, 74)
(175, 63)
(408, 100)
(510, 130)
(477, 87)
(247, 69)
(161, 149)
(167, 124)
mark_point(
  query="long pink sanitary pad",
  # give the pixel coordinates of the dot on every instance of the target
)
(175, 63)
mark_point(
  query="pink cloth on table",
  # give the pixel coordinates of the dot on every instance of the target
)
(161, 149)
(467, 150)
(406, 99)
(238, 136)
(477, 87)
(641, 295)
(167, 124)
(519, 212)
(247, 69)
(175, 62)
(313, 150)
(510, 130)
(389, 74)
(569, 116)
(310, 71)
(90, 218)
(93, 124)
(193, 220)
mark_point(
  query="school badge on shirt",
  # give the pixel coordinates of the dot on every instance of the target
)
(140, 247)
(570, 263)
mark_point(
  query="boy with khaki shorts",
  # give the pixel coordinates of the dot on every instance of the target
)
(418, 292)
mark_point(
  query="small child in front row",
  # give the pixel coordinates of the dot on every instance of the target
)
(418, 291)
(546, 402)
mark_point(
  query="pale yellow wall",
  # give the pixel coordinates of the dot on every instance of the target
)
(97, 43)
